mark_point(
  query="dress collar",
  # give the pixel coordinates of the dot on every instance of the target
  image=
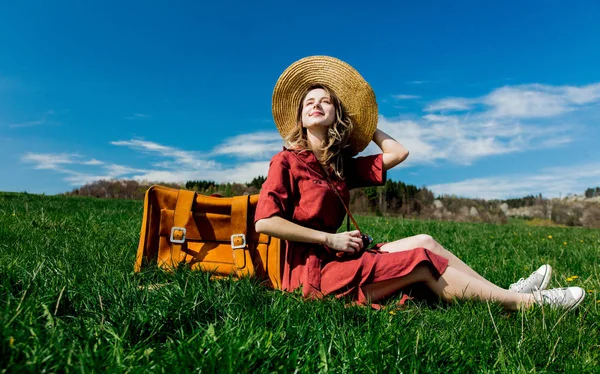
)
(310, 159)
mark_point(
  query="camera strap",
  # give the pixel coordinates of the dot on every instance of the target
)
(332, 186)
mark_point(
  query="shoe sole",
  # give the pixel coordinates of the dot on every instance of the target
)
(546, 278)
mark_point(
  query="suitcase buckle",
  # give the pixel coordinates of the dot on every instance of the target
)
(178, 231)
(238, 246)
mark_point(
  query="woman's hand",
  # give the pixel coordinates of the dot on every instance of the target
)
(349, 241)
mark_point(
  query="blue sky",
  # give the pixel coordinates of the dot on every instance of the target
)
(492, 100)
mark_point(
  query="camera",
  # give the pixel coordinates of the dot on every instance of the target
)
(366, 240)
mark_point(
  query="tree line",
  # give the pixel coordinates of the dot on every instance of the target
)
(394, 198)
(592, 192)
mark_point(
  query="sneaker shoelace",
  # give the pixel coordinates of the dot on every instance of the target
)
(524, 283)
(554, 296)
(519, 283)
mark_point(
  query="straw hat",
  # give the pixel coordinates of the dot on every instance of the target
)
(355, 93)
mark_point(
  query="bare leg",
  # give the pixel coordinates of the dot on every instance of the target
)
(452, 284)
(426, 241)
(456, 284)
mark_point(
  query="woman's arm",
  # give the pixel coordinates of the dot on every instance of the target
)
(279, 227)
(393, 152)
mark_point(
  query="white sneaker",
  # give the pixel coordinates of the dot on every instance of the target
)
(538, 280)
(567, 298)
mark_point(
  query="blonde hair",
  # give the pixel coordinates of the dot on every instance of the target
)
(338, 134)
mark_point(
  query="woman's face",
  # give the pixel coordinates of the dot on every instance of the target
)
(317, 109)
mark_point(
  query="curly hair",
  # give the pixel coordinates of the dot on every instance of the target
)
(336, 145)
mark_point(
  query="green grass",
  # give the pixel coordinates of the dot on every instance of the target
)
(70, 302)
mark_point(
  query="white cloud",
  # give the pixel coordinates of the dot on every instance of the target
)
(79, 179)
(49, 161)
(523, 101)
(41, 121)
(583, 95)
(405, 97)
(179, 158)
(244, 172)
(450, 104)
(414, 136)
(507, 120)
(464, 139)
(176, 165)
(254, 145)
(93, 162)
(144, 145)
(114, 170)
(552, 182)
(28, 124)
(437, 118)
(556, 142)
(65, 163)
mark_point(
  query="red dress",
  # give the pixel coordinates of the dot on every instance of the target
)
(296, 189)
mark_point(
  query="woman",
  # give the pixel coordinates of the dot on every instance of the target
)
(327, 113)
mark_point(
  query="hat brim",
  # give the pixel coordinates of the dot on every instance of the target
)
(355, 93)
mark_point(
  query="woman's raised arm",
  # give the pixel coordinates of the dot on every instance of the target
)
(393, 152)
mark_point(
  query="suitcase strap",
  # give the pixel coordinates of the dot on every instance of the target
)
(239, 221)
(185, 200)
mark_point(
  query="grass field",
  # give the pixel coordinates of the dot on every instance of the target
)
(70, 302)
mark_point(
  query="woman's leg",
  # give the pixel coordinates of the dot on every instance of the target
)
(427, 242)
(452, 284)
